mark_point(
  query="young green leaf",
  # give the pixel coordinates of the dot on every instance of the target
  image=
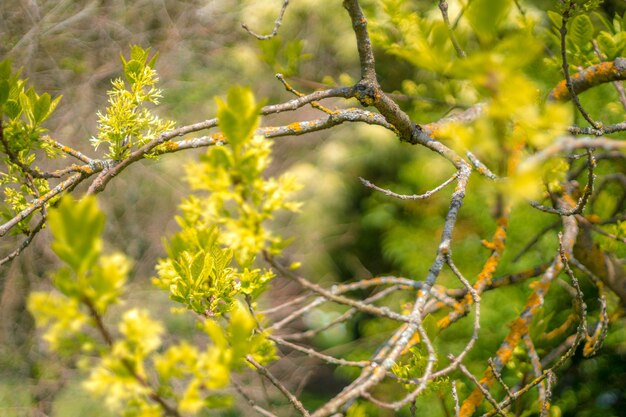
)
(13, 109)
(76, 227)
(487, 16)
(581, 30)
(5, 69)
(4, 91)
(41, 108)
(239, 115)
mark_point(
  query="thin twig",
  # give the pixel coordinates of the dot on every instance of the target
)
(319, 355)
(390, 193)
(340, 319)
(537, 370)
(480, 167)
(276, 382)
(498, 376)
(582, 201)
(40, 202)
(277, 24)
(443, 6)
(314, 104)
(153, 394)
(68, 150)
(251, 402)
(568, 81)
(455, 397)
(330, 295)
(24, 244)
(545, 406)
(482, 389)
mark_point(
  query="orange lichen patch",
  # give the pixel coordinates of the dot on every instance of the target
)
(486, 274)
(439, 305)
(444, 322)
(560, 93)
(594, 75)
(562, 328)
(295, 127)
(504, 354)
(487, 244)
(516, 151)
(471, 403)
(67, 149)
(569, 200)
(482, 170)
(432, 130)
(519, 327)
(535, 300)
(270, 130)
(415, 339)
(593, 218)
(593, 257)
(499, 238)
(590, 344)
(376, 281)
(169, 146)
(323, 108)
(539, 285)
(603, 72)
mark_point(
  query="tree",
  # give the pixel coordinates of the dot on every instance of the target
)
(510, 118)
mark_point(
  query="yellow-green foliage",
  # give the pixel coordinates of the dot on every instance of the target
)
(232, 211)
(129, 367)
(22, 111)
(413, 367)
(197, 272)
(127, 121)
(498, 71)
(209, 270)
(235, 195)
(88, 278)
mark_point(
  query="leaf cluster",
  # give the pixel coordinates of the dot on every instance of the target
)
(128, 121)
(22, 112)
(131, 367)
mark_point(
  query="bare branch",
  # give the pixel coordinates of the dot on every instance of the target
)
(270, 377)
(582, 201)
(443, 6)
(568, 81)
(427, 194)
(251, 402)
(277, 24)
(589, 77)
(364, 46)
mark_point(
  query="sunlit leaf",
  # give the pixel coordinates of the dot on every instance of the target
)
(76, 227)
